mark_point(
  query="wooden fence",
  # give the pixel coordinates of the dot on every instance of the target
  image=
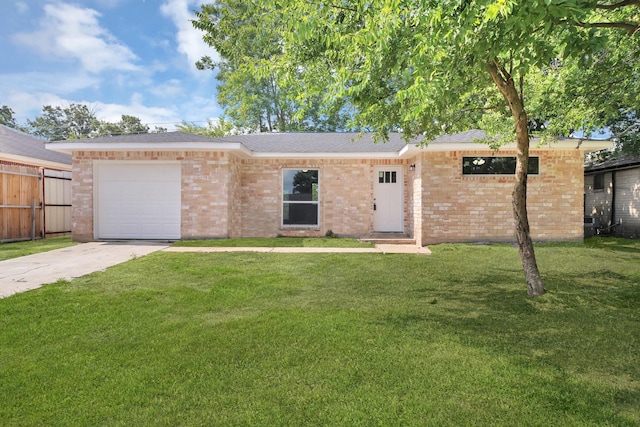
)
(34, 202)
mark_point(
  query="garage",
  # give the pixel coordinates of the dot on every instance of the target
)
(137, 200)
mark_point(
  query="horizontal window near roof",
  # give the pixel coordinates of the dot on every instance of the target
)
(496, 165)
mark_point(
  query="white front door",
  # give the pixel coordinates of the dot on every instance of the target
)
(388, 215)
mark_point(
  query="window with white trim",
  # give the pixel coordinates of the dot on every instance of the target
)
(300, 189)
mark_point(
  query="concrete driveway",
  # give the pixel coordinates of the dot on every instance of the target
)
(32, 271)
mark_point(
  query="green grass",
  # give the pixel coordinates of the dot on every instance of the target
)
(18, 249)
(279, 242)
(331, 339)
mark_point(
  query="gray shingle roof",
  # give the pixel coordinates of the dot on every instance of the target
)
(286, 143)
(614, 163)
(466, 136)
(152, 138)
(335, 142)
(20, 144)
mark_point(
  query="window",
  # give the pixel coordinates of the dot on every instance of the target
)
(598, 181)
(496, 165)
(387, 177)
(300, 197)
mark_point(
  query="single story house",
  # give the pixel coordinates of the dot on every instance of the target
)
(35, 188)
(612, 196)
(181, 186)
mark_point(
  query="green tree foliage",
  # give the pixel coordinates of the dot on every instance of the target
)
(127, 125)
(434, 67)
(626, 131)
(256, 91)
(214, 129)
(73, 122)
(79, 121)
(6, 117)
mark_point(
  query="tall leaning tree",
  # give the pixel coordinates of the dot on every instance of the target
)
(431, 67)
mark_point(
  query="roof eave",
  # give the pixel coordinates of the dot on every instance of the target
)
(70, 147)
(32, 161)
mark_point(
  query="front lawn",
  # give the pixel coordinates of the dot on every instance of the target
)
(18, 249)
(331, 339)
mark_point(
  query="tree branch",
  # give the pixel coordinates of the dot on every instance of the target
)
(631, 28)
(490, 107)
(505, 76)
(615, 6)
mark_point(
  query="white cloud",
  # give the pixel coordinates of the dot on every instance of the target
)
(72, 32)
(153, 116)
(188, 38)
(168, 89)
(22, 7)
(27, 93)
(29, 105)
(35, 81)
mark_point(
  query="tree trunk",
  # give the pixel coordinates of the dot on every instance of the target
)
(507, 87)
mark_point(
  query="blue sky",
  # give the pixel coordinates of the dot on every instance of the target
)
(119, 57)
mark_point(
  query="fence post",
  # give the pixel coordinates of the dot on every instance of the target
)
(33, 219)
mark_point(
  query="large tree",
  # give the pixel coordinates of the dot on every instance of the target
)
(433, 67)
(257, 93)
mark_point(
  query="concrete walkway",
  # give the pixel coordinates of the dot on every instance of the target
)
(379, 248)
(33, 271)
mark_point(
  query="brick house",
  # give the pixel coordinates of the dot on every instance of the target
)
(182, 186)
(612, 196)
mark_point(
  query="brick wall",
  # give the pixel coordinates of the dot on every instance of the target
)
(82, 197)
(224, 196)
(206, 185)
(346, 197)
(206, 189)
(471, 208)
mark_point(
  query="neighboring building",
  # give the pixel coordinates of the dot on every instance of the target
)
(182, 186)
(612, 196)
(35, 188)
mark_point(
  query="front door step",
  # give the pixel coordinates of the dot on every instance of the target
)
(389, 239)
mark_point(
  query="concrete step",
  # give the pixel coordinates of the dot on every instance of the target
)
(389, 239)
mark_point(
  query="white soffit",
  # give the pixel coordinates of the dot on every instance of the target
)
(407, 151)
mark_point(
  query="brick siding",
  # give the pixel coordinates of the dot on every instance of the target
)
(472, 208)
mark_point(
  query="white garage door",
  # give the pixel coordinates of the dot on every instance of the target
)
(137, 200)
